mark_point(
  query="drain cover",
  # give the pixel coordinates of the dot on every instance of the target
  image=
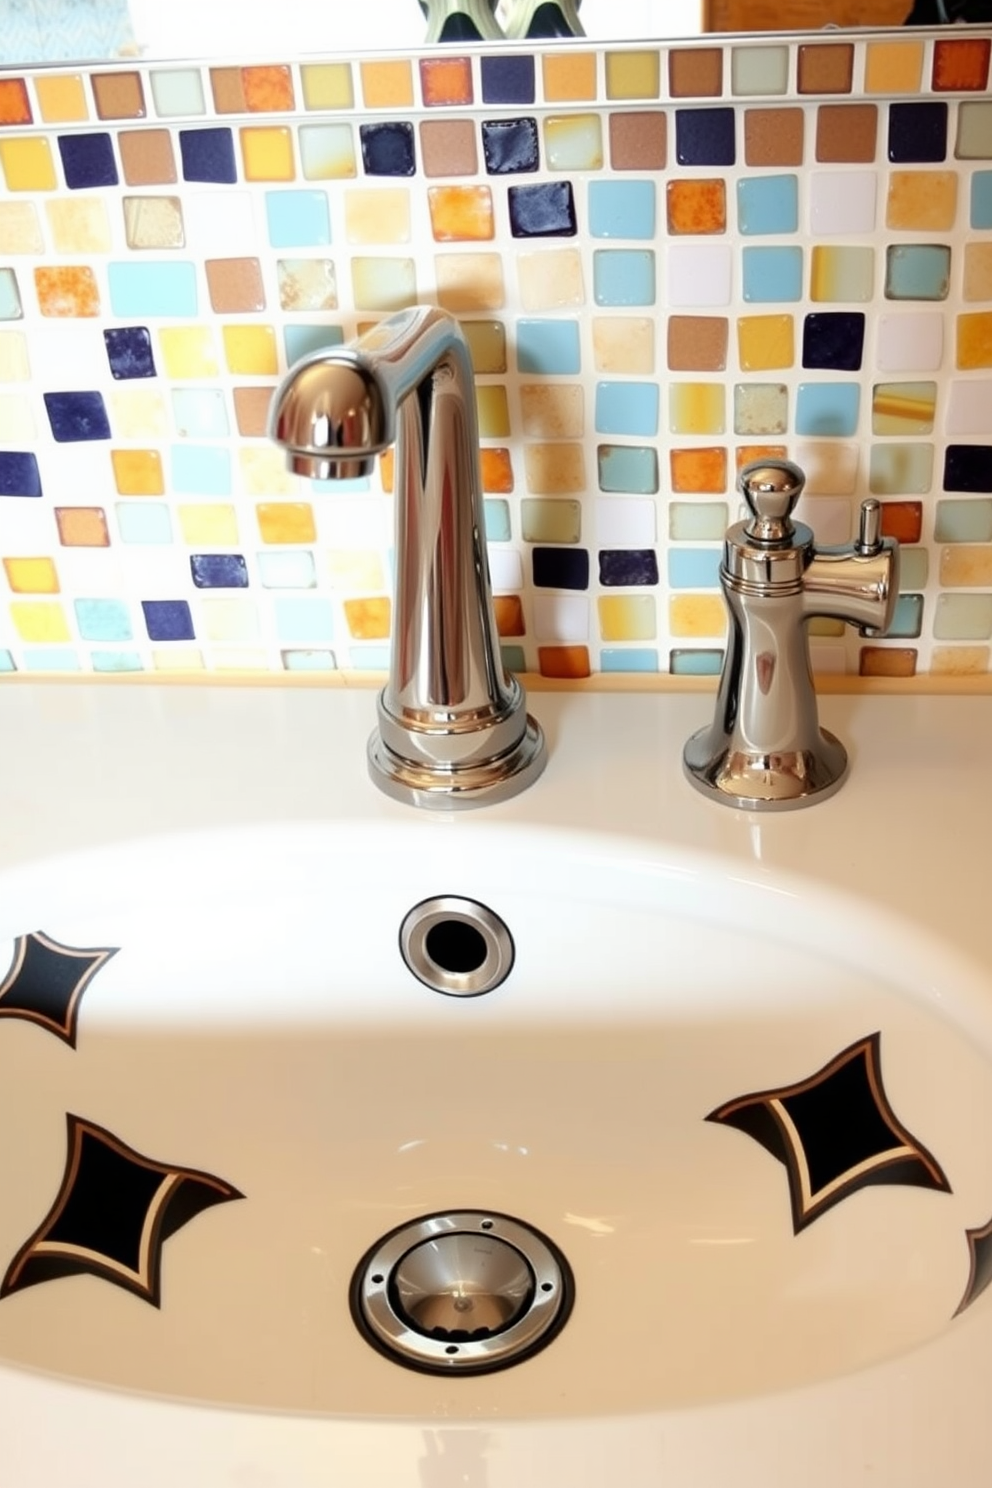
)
(462, 1293)
(456, 946)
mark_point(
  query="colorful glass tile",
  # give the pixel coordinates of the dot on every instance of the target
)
(695, 72)
(568, 76)
(893, 66)
(846, 132)
(903, 407)
(774, 136)
(507, 79)
(208, 155)
(772, 274)
(765, 342)
(825, 67)
(767, 205)
(460, 214)
(705, 136)
(177, 92)
(623, 343)
(624, 276)
(560, 568)
(386, 84)
(633, 74)
(388, 149)
(61, 98)
(842, 202)
(922, 201)
(118, 95)
(834, 339)
(27, 164)
(77, 416)
(917, 132)
(901, 469)
(696, 206)
(697, 343)
(87, 161)
(759, 70)
(827, 408)
(622, 209)
(19, 473)
(628, 408)
(573, 142)
(638, 140)
(974, 136)
(327, 85)
(542, 211)
(447, 147)
(961, 65)
(628, 568)
(917, 271)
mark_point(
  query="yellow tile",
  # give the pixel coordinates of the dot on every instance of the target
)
(229, 620)
(893, 66)
(966, 566)
(633, 75)
(487, 345)
(978, 271)
(356, 570)
(139, 413)
(765, 342)
(138, 472)
(15, 365)
(493, 410)
(251, 350)
(177, 659)
(555, 469)
(40, 620)
(368, 619)
(79, 224)
(20, 230)
(974, 340)
(960, 661)
(470, 281)
(627, 617)
(552, 410)
(61, 97)
(67, 291)
(383, 283)
(286, 522)
(32, 575)
(387, 84)
(377, 216)
(623, 343)
(691, 615)
(569, 77)
(922, 201)
(267, 153)
(264, 471)
(209, 523)
(27, 164)
(696, 408)
(903, 407)
(327, 85)
(551, 279)
(17, 421)
(188, 351)
(461, 214)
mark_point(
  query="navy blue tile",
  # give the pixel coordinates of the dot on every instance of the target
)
(75, 417)
(129, 352)
(388, 149)
(508, 80)
(168, 620)
(88, 160)
(19, 473)
(968, 467)
(705, 136)
(510, 146)
(208, 155)
(561, 568)
(219, 570)
(627, 566)
(834, 339)
(545, 211)
(917, 131)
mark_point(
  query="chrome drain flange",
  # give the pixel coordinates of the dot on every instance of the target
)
(462, 1293)
(456, 946)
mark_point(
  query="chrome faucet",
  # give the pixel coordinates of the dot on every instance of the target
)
(765, 749)
(453, 728)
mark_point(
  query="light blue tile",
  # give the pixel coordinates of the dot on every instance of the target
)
(178, 93)
(341, 487)
(370, 658)
(298, 219)
(549, 347)
(117, 661)
(767, 204)
(981, 199)
(695, 663)
(103, 620)
(914, 567)
(917, 271)
(7, 662)
(966, 521)
(635, 659)
(628, 467)
(623, 276)
(622, 209)
(52, 659)
(301, 340)
(694, 568)
(514, 658)
(10, 296)
(305, 622)
(144, 522)
(772, 275)
(907, 620)
(200, 413)
(161, 289)
(827, 408)
(309, 661)
(201, 470)
(497, 518)
(697, 521)
(291, 570)
(627, 408)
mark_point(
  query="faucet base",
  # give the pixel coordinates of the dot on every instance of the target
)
(455, 787)
(764, 782)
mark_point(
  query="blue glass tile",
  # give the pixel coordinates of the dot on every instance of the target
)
(548, 347)
(631, 468)
(103, 620)
(293, 569)
(75, 417)
(705, 136)
(619, 567)
(52, 659)
(694, 568)
(497, 518)
(219, 570)
(561, 568)
(200, 413)
(356, 484)
(622, 209)
(917, 271)
(508, 79)
(544, 211)
(967, 521)
(514, 657)
(10, 296)
(144, 522)
(309, 661)
(162, 289)
(388, 149)
(298, 219)
(129, 352)
(116, 661)
(370, 658)
(168, 620)
(302, 340)
(827, 408)
(627, 408)
(7, 662)
(767, 204)
(917, 131)
(510, 146)
(19, 473)
(201, 470)
(834, 339)
(772, 275)
(907, 621)
(981, 199)
(632, 659)
(623, 276)
(88, 160)
(208, 155)
(695, 663)
(968, 467)
(304, 621)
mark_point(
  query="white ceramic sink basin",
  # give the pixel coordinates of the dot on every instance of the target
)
(739, 1073)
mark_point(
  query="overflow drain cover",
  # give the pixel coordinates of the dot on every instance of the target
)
(456, 946)
(461, 1293)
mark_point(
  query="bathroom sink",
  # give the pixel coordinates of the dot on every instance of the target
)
(738, 1073)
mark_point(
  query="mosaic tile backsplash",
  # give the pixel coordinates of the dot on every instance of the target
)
(667, 260)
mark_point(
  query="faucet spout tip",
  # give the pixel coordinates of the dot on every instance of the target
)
(320, 468)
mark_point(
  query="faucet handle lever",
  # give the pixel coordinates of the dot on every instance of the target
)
(771, 489)
(869, 538)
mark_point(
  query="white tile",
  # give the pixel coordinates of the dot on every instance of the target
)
(842, 202)
(562, 619)
(969, 407)
(699, 274)
(622, 523)
(910, 343)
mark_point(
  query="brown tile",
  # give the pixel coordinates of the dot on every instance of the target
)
(826, 67)
(902, 520)
(251, 410)
(118, 95)
(846, 132)
(638, 140)
(695, 72)
(448, 147)
(698, 343)
(147, 157)
(773, 136)
(228, 88)
(235, 285)
(877, 661)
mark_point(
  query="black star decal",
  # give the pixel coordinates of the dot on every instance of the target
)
(835, 1132)
(980, 1246)
(46, 982)
(114, 1211)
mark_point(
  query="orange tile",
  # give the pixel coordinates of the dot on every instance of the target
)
(569, 77)
(387, 84)
(15, 107)
(138, 472)
(82, 526)
(497, 471)
(697, 206)
(387, 470)
(286, 522)
(446, 80)
(509, 612)
(974, 340)
(267, 90)
(699, 470)
(961, 66)
(893, 66)
(461, 214)
(570, 662)
(902, 520)
(877, 661)
(368, 619)
(747, 453)
(67, 291)
(61, 98)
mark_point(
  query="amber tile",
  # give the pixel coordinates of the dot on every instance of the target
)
(268, 89)
(638, 140)
(228, 89)
(67, 291)
(966, 566)
(746, 454)
(461, 214)
(880, 661)
(286, 522)
(697, 343)
(386, 84)
(893, 66)
(697, 615)
(251, 411)
(61, 98)
(960, 661)
(564, 662)
(448, 147)
(509, 612)
(696, 206)
(497, 471)
(695, 72)
(387, 470)
(15, 106)
(974, 340)
(446, 80)
(147, 157)
(569, 77)
(699, 471)
(922, 201)
(368, 619)
(977, 284)
(138, 472)
(846, 132)
(82, 526)
(902, 520)
(773, 136)
(961, 65)
(826, 67)
(118, 95)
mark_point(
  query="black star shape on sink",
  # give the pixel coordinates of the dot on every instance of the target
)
(46, 982)
(835, 1132)
(114, 1211)
(980, 1276)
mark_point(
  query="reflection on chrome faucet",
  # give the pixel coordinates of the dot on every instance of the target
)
(765, 749)
(453, 727)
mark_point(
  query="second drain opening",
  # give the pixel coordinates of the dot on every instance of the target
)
(456, 946)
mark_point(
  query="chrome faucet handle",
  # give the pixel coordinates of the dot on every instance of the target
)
(869, 539)
(771, 489)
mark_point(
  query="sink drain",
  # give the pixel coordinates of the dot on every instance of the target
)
(461, 1293)
(456, 946)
